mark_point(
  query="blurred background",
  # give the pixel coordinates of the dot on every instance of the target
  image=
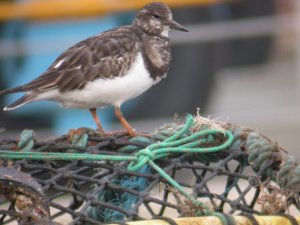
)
(240, 62)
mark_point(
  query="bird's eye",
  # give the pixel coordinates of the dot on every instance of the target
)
(156, 16)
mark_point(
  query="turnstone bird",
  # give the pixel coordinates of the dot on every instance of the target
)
(109, 68)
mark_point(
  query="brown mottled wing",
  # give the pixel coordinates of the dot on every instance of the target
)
(104, 56)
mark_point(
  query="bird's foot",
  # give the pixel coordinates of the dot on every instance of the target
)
(112, 133)
(143, 134)
(79, 132)
(74, 132)
(131, 133)
(98, 132)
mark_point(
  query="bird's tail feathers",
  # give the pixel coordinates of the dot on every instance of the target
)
(12, 90)
(20, 102)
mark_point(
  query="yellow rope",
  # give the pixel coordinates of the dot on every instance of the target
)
(211, 220)
(55, 9)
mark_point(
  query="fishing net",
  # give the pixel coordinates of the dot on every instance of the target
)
(195, 168)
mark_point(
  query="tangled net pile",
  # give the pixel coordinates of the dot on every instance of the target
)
(195, 168)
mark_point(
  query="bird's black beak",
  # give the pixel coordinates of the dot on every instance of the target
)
(176, 26)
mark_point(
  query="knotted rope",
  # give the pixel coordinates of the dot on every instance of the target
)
(178, 143)
(263, 155)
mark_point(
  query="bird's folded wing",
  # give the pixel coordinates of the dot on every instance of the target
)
(104, 56)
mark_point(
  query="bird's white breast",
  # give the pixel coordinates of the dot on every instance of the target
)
(105, 92)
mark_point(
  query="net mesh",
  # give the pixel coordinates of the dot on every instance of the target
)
(253, 176)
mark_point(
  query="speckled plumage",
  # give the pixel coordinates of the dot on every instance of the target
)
(102, 69)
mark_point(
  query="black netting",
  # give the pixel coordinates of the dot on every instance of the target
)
(87, 192)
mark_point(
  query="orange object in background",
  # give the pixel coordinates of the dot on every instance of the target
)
(55, 9)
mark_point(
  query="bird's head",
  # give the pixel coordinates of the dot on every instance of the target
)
(156, 19)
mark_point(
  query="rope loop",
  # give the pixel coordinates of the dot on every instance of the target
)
(184, 140)
(145, 153)
(143, 156)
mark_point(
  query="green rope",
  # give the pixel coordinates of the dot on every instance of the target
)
(262, 153)
(80, 140)
(184, 145)
(176, 144)
(26, 141)
(53, 156)
(289, 174)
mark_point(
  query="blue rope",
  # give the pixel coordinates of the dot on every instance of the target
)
(125, 200)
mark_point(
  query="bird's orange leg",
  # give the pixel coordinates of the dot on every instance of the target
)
(124, 122)
(97, 121)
